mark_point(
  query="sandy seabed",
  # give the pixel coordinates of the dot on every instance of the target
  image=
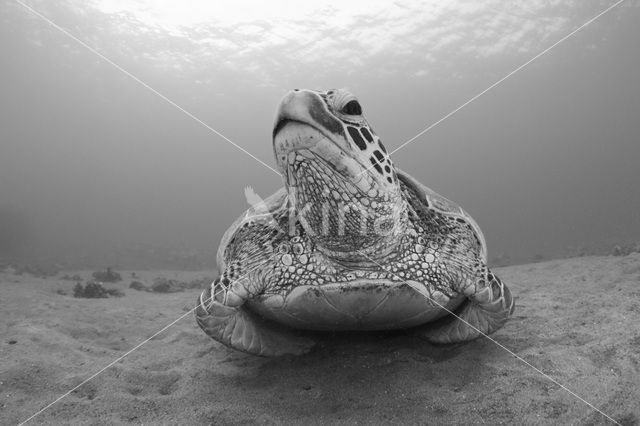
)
(578, 320)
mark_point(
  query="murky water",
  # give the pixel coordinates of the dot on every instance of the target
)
(94, 164)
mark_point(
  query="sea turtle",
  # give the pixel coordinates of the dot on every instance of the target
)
(349, 243)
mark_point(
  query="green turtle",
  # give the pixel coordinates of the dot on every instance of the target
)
(350, 243)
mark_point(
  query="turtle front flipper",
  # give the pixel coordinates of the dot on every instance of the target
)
(488, 306)
(220, 313)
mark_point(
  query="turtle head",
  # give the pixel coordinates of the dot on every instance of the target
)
(334, 164)
(330, 127)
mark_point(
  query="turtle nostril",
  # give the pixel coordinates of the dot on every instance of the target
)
(296, 90)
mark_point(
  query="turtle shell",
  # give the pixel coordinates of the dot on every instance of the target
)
(443, 205)
(363, 304)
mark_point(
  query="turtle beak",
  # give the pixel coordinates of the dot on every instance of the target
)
(302, 120)
(279, 124)
(307, 107)
(290, 109)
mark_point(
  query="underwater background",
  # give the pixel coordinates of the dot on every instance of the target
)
(95, 168)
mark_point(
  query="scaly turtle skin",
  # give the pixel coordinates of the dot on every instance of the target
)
(350, 243)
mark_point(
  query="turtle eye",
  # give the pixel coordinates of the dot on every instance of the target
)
(352, 108)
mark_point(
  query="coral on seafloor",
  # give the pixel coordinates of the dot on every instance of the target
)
(137, 285)
(165, 285)
(94, 290)
(625, 250)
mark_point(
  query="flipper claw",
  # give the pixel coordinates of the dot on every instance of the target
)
(486, 310)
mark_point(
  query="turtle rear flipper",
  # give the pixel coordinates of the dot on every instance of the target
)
(230, 323)
(488, 306)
